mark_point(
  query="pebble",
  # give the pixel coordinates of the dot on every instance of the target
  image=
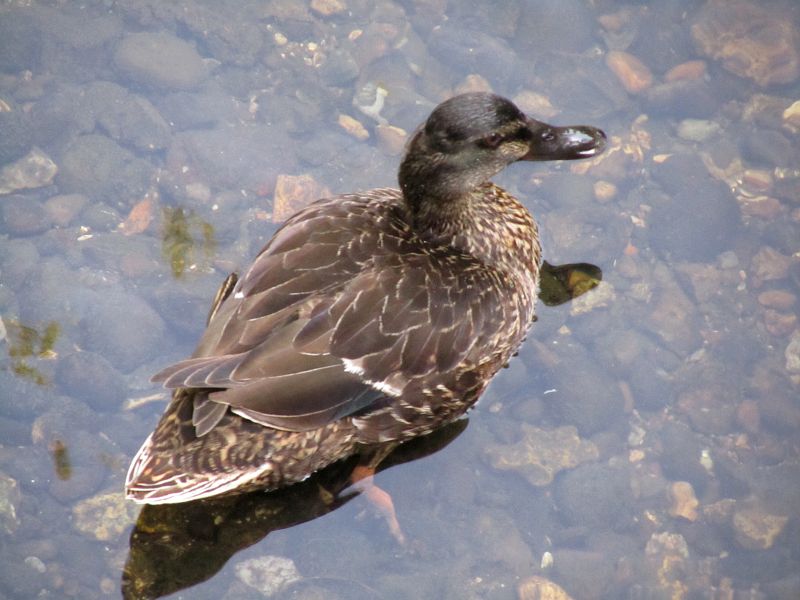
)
(537, 105)
(757, 180)
(697, 130)
(268, 574)
(540, 588)
(681, 452)
(339, 68)
(542, 453)
(748, 416)
(792, 353)
(293, 193)
(104, 517)
(595, 496)
(33, 170)
(674, 319)
(588, 573)
(666, 556)
(779, 324)
(683, 98)
(35, 563)
(763, 207)
(242, 156)
(10, 500)
(767, 148)
(756, 529)
(391, 139)
(687, 71)
(126, 117)
(100, 168)
(64, 208)
(17, 134)
(778, 299)
(22, 215)
(327, 8)
(632, 73)
(473, 83)
(791, 117)
(586, 395)
(353, 127)
(21, 42)
(91, 378)
(605, 191)
(160, 60)
(203, 109)
(710, 407)
(683, 502)
(77, 472)
(503, 541)
(123, 328)
(680, 226)
(769, 264)
(661, 36)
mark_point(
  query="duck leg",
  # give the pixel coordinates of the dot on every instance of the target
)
(362, 481)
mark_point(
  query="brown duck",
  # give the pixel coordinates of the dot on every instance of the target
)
(368, 318)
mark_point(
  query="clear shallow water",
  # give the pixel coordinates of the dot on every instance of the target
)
(646, 437)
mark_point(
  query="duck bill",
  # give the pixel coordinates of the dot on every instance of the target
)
(549, 142)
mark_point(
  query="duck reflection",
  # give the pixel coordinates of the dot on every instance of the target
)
(176, 546)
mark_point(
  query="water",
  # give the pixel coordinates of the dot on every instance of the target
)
(643, 444)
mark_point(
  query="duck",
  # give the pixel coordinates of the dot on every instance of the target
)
(367, 320)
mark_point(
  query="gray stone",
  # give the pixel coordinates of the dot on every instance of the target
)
(699, 218)
(594, 496)
(90, 377)
(97, 166)
(20, 215)
(20, 42)
(160, 60)
(128, 118)
(123, 328)
(15, 126)
(586, 396)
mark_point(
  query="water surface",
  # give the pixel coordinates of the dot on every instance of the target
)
(642, 445)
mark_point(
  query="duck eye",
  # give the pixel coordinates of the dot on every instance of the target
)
(491, 141)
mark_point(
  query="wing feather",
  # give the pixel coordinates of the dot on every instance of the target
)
(325, 323)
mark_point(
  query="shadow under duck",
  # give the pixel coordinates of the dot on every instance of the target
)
(368, 318)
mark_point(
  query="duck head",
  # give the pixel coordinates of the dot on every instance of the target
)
(472, 137)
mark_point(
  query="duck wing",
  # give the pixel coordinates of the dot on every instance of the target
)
(336, 316)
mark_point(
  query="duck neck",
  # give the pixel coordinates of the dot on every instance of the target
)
(477, 218)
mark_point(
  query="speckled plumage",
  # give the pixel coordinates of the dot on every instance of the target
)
(368, 318)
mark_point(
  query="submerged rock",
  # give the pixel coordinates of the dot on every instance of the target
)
(269, 574)
(756, 529)
(33, 170)
(10, 498)
(103, 170)
(542, 453)
(160, 60)
(700, 217)
(750, 39)
(105, 516)
(539, 588)
(595, 496)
